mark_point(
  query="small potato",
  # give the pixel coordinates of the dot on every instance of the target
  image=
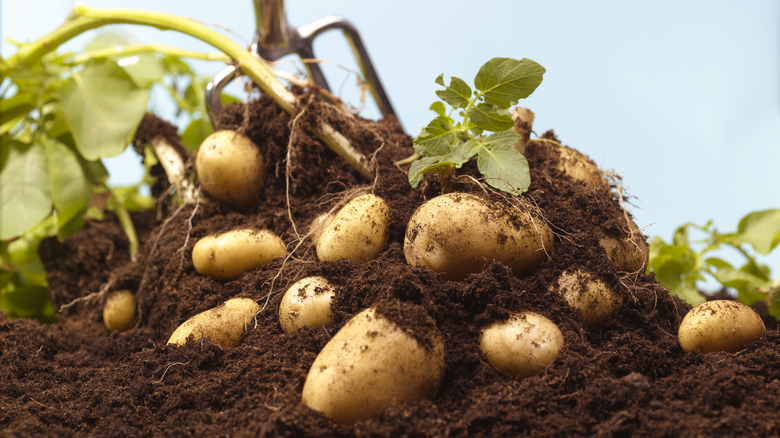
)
(627, 253)
(223, 324)
(230, 168)
(719, 325)
(370, 365)
(459, 233)
(228, 255)
(594, 301)
(358, 232)
(119, 310)
(523, 345)
(307, 303)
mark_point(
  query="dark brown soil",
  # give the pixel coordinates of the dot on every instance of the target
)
(627, 377)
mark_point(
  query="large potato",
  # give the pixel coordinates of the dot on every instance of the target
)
(719, 325)
(523, 345)
(459, 233)
(307, 303)
(370, 365)
(358, 232)
(223, 324)
(230, 168)
(119, 310)
(592, 299)
(228, 255)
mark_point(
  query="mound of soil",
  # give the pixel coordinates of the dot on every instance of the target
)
(627, 377)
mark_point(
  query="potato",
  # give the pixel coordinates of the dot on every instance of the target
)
(628, 253)
(230, 168)
(719, 325)
(119, 310)
(590, 297)
(523, 345)
(370, 365)
(579, 167)
(228, 255)
(358, 232)
(307, 303)
(459, 233)
(223, 324)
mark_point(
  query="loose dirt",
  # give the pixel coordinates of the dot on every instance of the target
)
(628, 377)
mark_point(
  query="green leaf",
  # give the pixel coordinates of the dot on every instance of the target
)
(461, 152)
(70, 187)
(26, 302)
(25, 194)
(502, 139)
(14, 109)
(195, 133)
(457, 94)
(436, 138)
(504, 168)
(760, 229)
(438, 108)
(678, 267)
(774, 302)
(490, 118)
(103, 107)
(504, 81)
(419, 168)
(746, 284)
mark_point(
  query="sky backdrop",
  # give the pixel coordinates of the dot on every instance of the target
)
(681, 98)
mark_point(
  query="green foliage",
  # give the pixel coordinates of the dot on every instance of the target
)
(445, 145)
(679, 264)
(58, 119)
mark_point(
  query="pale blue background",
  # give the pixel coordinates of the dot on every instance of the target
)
(681, 97)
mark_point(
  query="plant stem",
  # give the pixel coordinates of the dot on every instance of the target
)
(84, 18)
(130, 50)
(127, 225)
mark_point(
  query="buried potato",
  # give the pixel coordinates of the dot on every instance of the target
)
(358, 232)
(230, 168)
(591, 298)
(307, 303)
(522, 345)
(458, 234)
(719, 325)
(223, 324)
(371, 364)
(228, 255)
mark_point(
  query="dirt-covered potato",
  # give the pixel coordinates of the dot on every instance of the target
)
(119, 310)
(628, 252)
(370, 365)
(230, 168)
(719, 325)
(592, 299)
(223, 324)
(523, 345)
(228, 255)
(459, 233)
(578, 167)
(358, 232)
(307, 303)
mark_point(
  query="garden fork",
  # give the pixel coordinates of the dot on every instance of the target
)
(275, 38)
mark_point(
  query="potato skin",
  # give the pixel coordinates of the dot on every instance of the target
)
(459, 233)
(719, 325)
(629, 253)
(370, 365)
(223, 324)
(228, 255)
(592, 299)
(358, 232)
(523, 345)
(119, 310)
(307, 303)
(230, 168)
